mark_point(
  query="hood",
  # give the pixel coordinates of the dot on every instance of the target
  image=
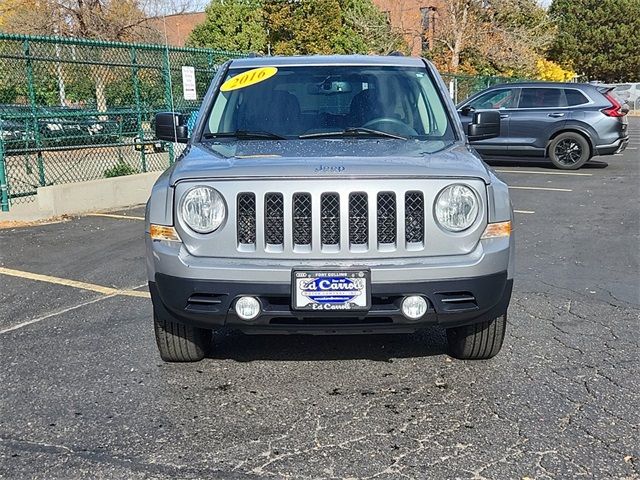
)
(343, 158)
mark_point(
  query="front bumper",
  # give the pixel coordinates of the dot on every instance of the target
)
(201, 291)
(210, 304)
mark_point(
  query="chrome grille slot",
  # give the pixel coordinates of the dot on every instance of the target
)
(387, 231)
(274, 219)
(246, 219)
(302, 219)
(358, 219)
(414, 217)
(330, 219)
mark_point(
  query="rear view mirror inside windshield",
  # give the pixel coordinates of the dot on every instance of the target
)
(329, 88)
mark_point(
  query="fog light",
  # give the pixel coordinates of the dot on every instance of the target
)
(247, 308)
(414, 307)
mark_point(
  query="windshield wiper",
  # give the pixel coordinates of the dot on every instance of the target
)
(354, 132)
(244, 135)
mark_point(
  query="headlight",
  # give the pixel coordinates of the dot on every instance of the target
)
(456, 208)
(203, 209)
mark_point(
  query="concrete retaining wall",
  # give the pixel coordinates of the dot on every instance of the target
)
(91, 196)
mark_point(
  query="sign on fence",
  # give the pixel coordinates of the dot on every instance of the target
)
(189, 83)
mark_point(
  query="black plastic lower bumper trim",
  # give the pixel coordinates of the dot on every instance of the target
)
(209, 304)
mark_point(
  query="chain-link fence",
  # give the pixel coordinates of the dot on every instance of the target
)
(75, 110)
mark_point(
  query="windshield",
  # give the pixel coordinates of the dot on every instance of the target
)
(327, 102)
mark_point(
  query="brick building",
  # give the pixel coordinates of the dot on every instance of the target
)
(178, 26)
(416, 19)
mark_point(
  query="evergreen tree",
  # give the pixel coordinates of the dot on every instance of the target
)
(237, 25)
(599, 39)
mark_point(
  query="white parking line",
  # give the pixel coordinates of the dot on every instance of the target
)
(546, 189)
(113, 215)
(54, 314)
(524, 211)
(547, 173)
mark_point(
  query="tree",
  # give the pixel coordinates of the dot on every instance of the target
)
(31, 17)
(288, 27)
(117, 20)
(367, 30)
(457, 28)
(517, 33)
(600, 39)
(504, 37)
(303, 27)
(552, 72)
(232, 25)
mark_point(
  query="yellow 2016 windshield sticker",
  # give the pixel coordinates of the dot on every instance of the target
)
(250, 77)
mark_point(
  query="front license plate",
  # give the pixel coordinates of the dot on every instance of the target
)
(335, 290)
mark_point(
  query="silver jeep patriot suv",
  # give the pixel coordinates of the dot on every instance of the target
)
(328, 195)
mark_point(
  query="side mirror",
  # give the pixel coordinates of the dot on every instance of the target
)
(172, 127)
(467, 110)
(485, 125)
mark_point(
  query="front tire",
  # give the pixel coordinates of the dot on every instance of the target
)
(478, 341)
(180, 343)
(569, 151)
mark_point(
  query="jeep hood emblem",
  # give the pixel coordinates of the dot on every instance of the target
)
(329, 169)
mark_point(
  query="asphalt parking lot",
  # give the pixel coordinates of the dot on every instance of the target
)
(85, 395)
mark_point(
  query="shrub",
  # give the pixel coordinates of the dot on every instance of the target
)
(120, 170)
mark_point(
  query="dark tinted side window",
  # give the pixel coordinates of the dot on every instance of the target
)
(575, 97)
(541, 98)
(494, 100)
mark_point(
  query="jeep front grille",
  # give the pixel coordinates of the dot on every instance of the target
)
(274, 219)
(356, 221)
(414, 217)
(302, 219)
(246, 219)
(330, 219)
(387, 230)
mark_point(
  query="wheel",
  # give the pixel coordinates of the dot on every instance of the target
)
(569, 151)
(478, 341)
(180, 343)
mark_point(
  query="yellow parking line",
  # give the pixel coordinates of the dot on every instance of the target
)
(524, 211)
(546, 189)
(113, 215)
(576, 174)
(72, 283)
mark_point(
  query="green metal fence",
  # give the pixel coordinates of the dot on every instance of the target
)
(75, 110)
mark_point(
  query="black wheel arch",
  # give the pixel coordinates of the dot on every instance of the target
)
(573, 129)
